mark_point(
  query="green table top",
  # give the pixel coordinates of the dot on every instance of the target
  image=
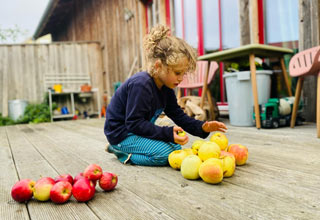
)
(243, 52)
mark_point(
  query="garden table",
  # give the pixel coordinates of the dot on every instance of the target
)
(251, 51)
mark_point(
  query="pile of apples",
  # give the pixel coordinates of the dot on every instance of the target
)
(60, 189)
(211, 160)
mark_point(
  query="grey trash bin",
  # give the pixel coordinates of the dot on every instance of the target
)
(240, 98)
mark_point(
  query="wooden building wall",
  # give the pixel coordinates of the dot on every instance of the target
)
(309, 36)
(22, 68)
(104, 21)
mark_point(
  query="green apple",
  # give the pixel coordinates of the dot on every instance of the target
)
(42, 188)
(209, 150)
(176, 157)
(190, 167)
(196, 145)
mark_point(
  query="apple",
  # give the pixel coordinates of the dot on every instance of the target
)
(61, 192)
(23, 190)
(220, 139)
(93, 172)
(228, 163)
(209, 150)
(189, 151)
(240, 152)
(181, 133)
(64, 177)
(190, 167)
(42, 188)
(196, 145)
(224, 153)
(176, 157)
(77, 177)
(83, 190)
(108, 181)
(211, 171)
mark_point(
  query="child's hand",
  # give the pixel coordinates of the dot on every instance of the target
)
(179, 139)
(210, 126)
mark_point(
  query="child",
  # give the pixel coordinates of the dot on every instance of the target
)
(137, 103)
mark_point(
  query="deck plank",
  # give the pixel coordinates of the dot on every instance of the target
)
(32, 164)
(9, 209)
(66, 158)
(155, 190)
(279, 181)
(283, 200)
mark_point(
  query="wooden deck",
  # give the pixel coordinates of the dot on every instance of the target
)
(280, 180)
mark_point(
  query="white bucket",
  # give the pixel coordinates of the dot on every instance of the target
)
(16, 108)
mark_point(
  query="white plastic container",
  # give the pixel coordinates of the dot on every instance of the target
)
(16, 108)
(240, 97)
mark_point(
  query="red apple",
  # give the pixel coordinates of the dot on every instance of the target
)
(42, 188)
(64, 177)
(108, 181)
(61, 192)
(80, 176)
(83, 190)
(23, 190)
(77, 177)
(93, 172)
(240, 153)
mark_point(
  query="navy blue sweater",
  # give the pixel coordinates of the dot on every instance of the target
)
(135, 106)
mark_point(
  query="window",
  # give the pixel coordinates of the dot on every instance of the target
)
(282, 20)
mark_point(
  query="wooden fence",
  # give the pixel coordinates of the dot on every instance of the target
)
(23, 66)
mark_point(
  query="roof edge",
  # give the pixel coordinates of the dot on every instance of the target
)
(45, 17)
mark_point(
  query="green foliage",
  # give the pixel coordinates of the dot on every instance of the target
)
(8, 35)
(5, 121)
(242, 66)
(34, 113)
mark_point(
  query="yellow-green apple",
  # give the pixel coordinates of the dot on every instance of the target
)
(22, 190)
(176, 157)
(220, 139)
(211, 171)
(64, 177)
(108, 181)
(190, 167)
(228, 163)
(240, 152)
(189, 151)
(209, 150)
(83, 190)
(42, 188)
(196, 145)
(181, 133)
(93, 172)
(61, 192)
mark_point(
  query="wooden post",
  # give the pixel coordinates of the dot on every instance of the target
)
(254, 90)
(318, 106)
(205, 85)
(244, 20)
(296, 101)
(254, 22)
(285, 76)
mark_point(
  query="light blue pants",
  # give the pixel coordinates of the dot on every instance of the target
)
(147, 152)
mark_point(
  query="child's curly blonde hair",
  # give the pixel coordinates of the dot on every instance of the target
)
(158, 44)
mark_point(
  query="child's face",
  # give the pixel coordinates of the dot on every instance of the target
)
(171, 76)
